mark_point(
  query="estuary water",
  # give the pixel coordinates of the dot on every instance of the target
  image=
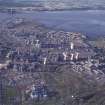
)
(88, 22)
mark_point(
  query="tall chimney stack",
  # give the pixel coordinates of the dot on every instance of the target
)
(72, 46)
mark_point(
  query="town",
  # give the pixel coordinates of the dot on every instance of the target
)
(36, 54)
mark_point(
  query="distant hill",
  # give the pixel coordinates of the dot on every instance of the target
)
(58, 4)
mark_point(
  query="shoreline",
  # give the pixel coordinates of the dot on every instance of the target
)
(20, 9)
